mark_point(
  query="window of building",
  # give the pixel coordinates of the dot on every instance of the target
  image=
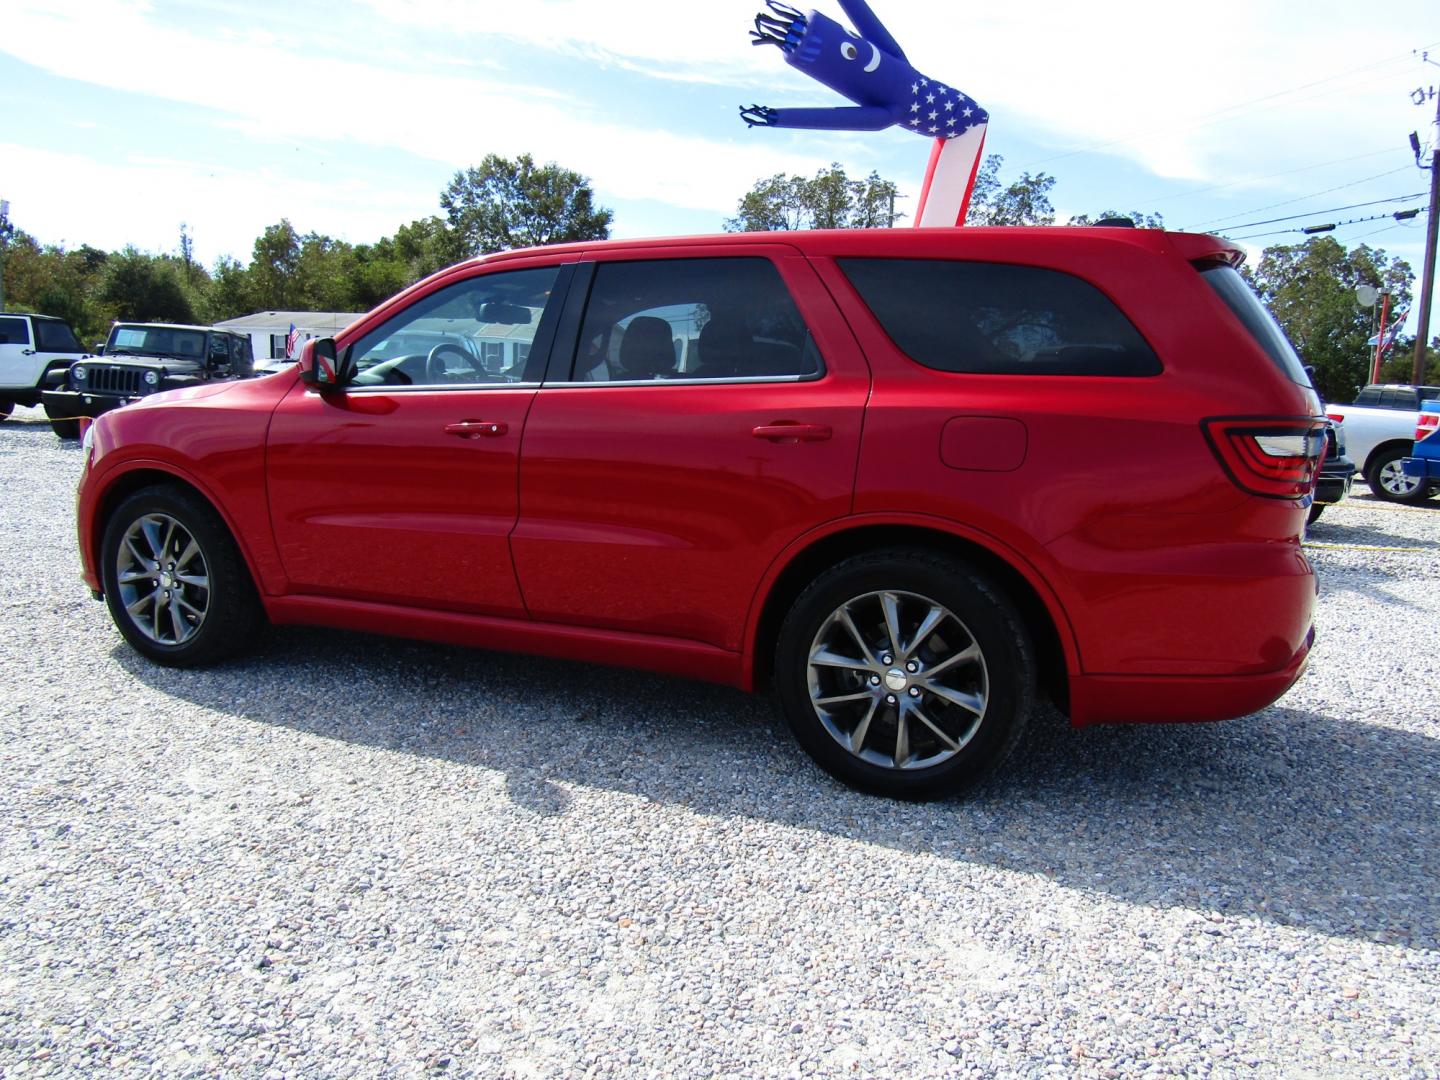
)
(993, 318)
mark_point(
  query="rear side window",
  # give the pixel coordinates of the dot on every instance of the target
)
(1241, 299)
(14, 332)
(998, 319)
(55, 336)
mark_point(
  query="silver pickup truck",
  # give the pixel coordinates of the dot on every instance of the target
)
(1380, 431)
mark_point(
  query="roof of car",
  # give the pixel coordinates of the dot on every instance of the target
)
(916, 242)
(174, 326)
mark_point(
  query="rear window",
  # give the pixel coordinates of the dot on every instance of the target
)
(1241, 299)
(998, 319)
(56, 336)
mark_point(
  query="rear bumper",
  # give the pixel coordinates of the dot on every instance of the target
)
(1422, 468)
(1125, 699)
(1334, 482)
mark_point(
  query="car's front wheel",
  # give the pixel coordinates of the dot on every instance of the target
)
(905, 673)
(1388, 480)
(175, 583)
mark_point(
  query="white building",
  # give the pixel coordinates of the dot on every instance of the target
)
(268, 330)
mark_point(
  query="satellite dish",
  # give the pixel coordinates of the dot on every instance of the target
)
(1366, 295)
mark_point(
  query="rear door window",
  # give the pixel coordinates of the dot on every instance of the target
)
(14, 332)
(55, 336)
(692, 319)
(999, 319)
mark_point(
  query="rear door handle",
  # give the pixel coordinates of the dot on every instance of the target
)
(477, 429)
(790, 431)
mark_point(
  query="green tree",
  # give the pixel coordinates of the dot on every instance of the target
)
(147, 288)
(502, 204)
(1310, 289)
(1025, 201)
(1142, 221)
(828, 200)
(274, 265)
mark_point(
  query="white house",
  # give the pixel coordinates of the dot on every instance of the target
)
(268, 330)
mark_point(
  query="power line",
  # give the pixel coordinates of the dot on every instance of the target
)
(1330, 227)
(1291, 202)
(1267, 176)
(1332, 210)
(1219, 114)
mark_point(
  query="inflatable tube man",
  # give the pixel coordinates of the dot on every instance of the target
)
(870, 69)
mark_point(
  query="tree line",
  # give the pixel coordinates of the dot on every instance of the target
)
(502, 204)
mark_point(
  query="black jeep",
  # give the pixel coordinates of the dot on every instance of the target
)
(141, 359)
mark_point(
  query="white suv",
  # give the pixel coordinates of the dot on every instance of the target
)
(32, 346)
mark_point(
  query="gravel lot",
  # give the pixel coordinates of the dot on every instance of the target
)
(357, 856)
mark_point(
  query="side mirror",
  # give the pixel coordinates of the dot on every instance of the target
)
(322, 368)
(100, 348)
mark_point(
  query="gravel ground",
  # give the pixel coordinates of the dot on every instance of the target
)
(355, 856)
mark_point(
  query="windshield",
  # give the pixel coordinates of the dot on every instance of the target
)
(173, 341)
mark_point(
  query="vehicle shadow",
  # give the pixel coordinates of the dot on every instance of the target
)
(1329, 531)
(1287, 816)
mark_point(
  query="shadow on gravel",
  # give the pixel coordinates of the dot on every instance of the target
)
(1364, 532)
(1287, 816)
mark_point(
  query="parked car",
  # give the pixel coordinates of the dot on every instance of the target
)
(140, 359)
(35, 352)
(1380, 426)
(1423, 464)
(1337, 472)
(907, 478)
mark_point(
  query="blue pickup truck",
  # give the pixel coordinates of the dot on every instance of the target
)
(1424, 462)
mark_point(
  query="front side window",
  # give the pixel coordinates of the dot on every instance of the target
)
(14, 332)
(998, 319)
(464, 334)
(692, 319)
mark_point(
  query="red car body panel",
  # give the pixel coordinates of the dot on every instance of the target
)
(647, 525)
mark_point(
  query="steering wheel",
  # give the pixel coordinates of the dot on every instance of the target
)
(436, 368)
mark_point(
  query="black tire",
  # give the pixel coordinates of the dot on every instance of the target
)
(6, 408)
(1316, 509)
(230, 617)
(1388, 483)
(63, 428)
(977, 615)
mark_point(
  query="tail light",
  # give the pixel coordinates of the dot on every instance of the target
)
(1427, 425)
(1278, 458)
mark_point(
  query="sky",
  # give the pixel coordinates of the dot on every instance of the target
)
(120, 120)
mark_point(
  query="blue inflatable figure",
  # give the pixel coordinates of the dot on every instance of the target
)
(870, 69)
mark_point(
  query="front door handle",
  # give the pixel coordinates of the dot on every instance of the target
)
(477, 429)
(788, 431)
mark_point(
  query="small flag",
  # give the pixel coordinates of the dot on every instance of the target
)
(292, 341)
(1386, 337)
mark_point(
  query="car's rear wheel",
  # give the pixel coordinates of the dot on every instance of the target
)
(905, 673)
(1388, 480)
(1316, 509)
(63, 426)
(175, 582)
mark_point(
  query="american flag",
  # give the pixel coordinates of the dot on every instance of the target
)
(292, 342)
(942, 111)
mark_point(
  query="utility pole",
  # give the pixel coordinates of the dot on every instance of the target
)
(6, 231)
(1422, 334)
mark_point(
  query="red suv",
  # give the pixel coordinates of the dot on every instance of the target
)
(907, 477)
